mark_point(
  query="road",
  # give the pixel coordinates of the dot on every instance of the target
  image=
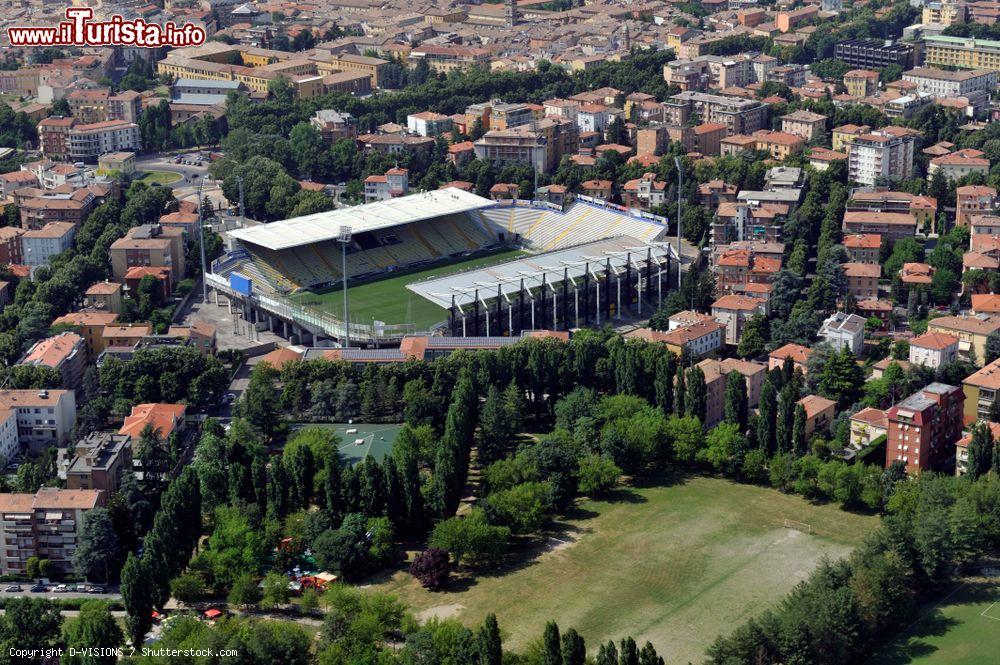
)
(187, 188)
(51, 594)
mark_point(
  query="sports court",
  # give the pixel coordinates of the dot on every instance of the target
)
(361, 440)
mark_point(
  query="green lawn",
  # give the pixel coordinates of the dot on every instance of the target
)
(962, 628)
(390, 301)
(160, 177)
(677, 564)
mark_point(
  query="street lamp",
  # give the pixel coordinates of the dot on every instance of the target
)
(680, 181)
(344, 238)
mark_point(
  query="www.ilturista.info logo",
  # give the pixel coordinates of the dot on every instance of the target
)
(80, 30)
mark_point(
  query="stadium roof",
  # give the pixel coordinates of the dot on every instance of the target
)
(551, 266)
(324, 226)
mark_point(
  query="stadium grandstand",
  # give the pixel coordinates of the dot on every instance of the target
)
(446, 257)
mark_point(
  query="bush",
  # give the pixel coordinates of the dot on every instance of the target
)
(472, 540)
(245, 592)
(522, 507)
(187, 586)
(598, 475)
(432, 568)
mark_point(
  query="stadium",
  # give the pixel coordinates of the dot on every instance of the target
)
(447, 260)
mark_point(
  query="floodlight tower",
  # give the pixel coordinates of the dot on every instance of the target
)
(344, 238)
(680, 181)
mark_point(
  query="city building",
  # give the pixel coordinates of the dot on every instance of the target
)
(117, 164)
(863, 247)
(922, 208)
(428, 123)
(334, 125)
(958, 164)
(976, 85)
(841, 136)
(395, 182)
(861, 82)
(10, 245)
(804, 124)
(867, 425)
(735, 311)
(798, 354)
(971, 330)
(65, 353)
(879, 156)
(149, 245)
(698, 339)
(961, 52)
(943, 12)
(541, 144)
(862, 279)
(99, 105)
(820, 412)
(200, 334)
(962, 449)
(38, 246)
(739, 115)
(892, 225)
(844, 331)
(165, 419)
(90, 325)
(873, 54)
(716, 376)
(980, 390)
(67, 139)
(45, 418)
(924, 428)
(99, 462)
(933, 349)
(972, 200)
(104, 296)
(645, 192)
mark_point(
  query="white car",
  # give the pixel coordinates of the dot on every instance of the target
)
(61, 588)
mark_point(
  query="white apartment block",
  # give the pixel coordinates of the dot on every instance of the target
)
(879, 155)
(45, 418)
(88, 142)
(428, 123)
(933, 350)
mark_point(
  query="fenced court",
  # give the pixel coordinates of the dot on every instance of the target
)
(361, 440)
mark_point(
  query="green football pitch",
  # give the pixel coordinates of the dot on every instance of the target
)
(359, 440)
(389, 300)
(963, 628)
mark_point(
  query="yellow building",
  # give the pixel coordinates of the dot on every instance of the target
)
(861, 82)
(961, 52)
(943, 13)
(971, 332)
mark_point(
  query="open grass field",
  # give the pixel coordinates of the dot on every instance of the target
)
(389, 300)
(676, 563)
(160, 177)
(376, 440)
(963, 628)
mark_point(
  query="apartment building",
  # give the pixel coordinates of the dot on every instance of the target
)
(923, 209)
(739, 115)
(39, 207)
(874, 53)
(645, 192)
(863, 247)
(541, 144)
(820, 412)
(10, 245)
(971, 330)
(780, 145)
(861, 83)
(973, 200)
(976, 85)
(862, 279)
(165, 419)
(65, 353)
(334, 125)
(503, 115)
(961, 52)
(39, 246)
(428, 123)
(698, 339)
(844, 331)
(736, 268)
(959, 164)
(841, 136)
(45, 418)
(99, 105)
(924, 428)
(67, 139)
(804, 124)
(90, 325)
(395, 182)
(46, 525)
(798, 354)
(735, 311)
(450, 57)
(706, 72)
(717, 375)
(149, 245)
(867, 425)
(944, 12)
(104, 296)
(99, 462)
(933, 349)
(879, 156)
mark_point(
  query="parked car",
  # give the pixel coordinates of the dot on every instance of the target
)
(13, 588)
(38, 588)
(60, 588)
(228, 398)
(96, 589)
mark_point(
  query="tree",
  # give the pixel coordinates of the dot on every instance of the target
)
(574, 649)
(598, 475)
(276, 592)
(495, 433)
(753, 338)
(799, 443)
(97, 548)
(736, 400)
(244, 592)
(551, 645)
(472, 540)
(137, 597)
(680, 392)
(980, 451)
(94, 626)
(343, 550)
(697, 393)
(992, 346)
(489, 646)
(187, 586)
(29, 621)
(432, 568)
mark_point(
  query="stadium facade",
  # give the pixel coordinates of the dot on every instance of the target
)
(587, 262)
